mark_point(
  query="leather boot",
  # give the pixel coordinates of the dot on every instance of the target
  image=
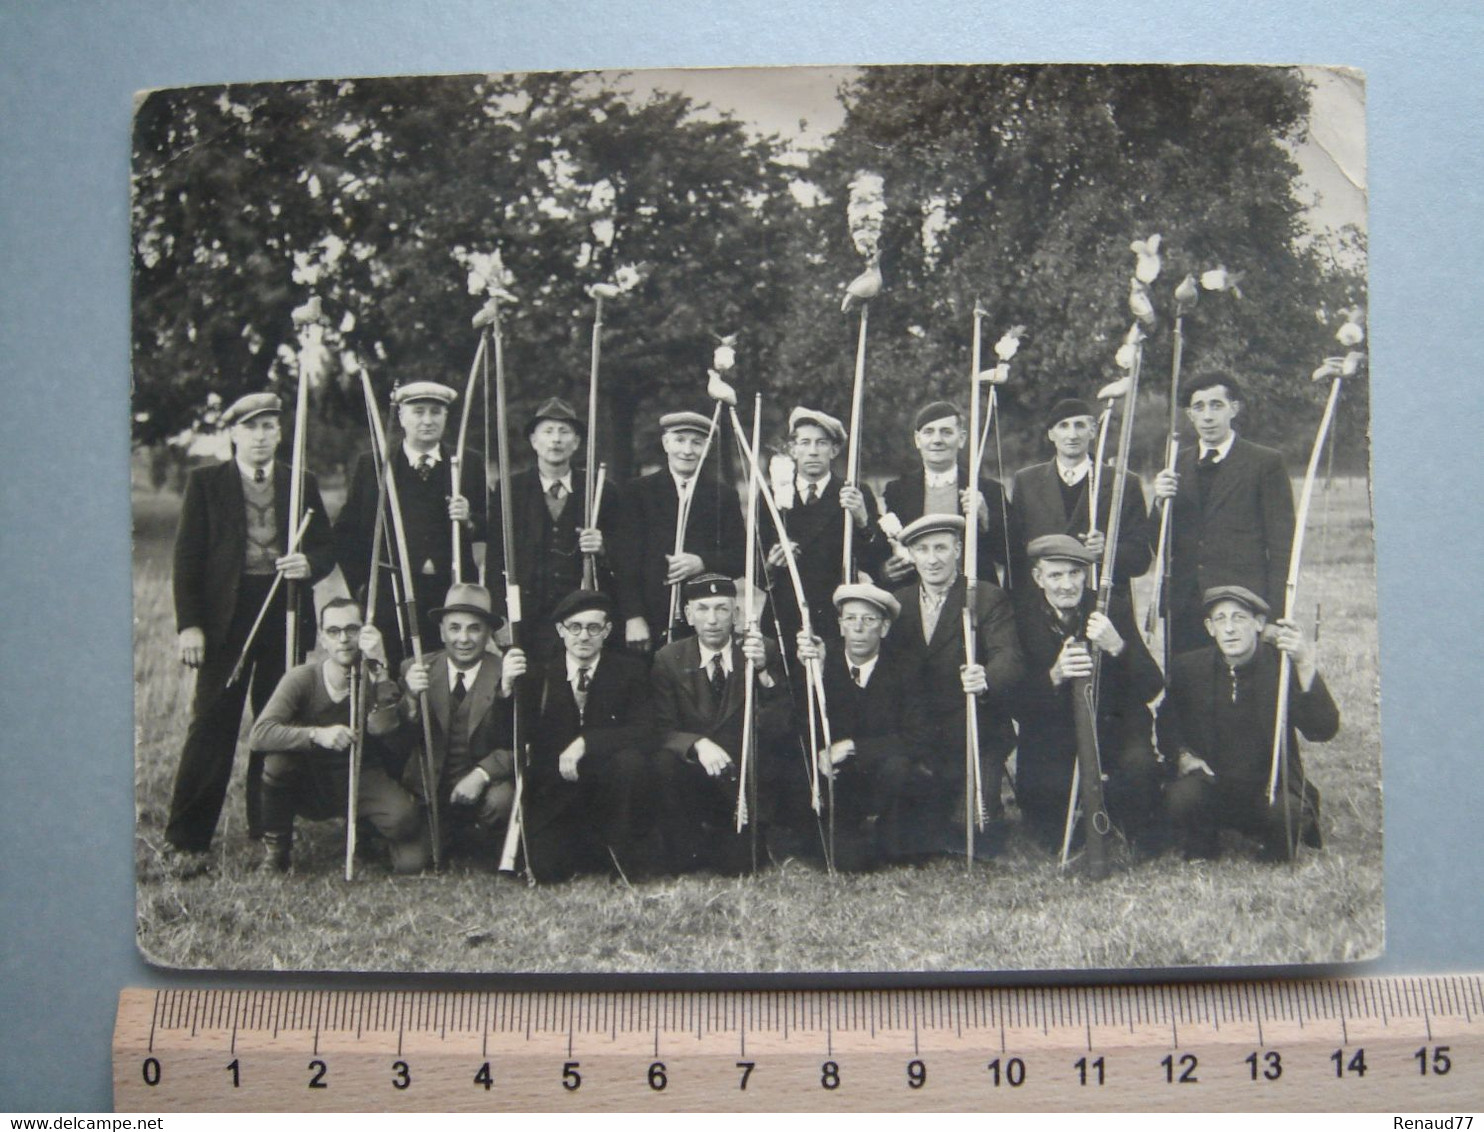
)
(277, 851)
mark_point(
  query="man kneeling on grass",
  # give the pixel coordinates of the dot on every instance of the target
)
(305, 734)
(468, 690)
(1218, 718)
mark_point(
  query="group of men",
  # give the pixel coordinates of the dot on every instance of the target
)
(657, 697)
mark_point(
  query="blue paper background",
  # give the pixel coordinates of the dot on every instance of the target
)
(67, 75)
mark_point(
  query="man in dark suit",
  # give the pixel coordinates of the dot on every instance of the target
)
(1059, 635)
(1233, 517)
(232, 541)
(1053, 499)
(431, 503)
(469, 692)
(591, 726)
(699, 692)
(648, 566)
(550, 541)
(877, 729)
(940, 487)
(813, 510)
(928, 642)
(1217, 720)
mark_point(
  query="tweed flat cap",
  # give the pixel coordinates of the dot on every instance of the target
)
(423, 391)
(832, 427)
(1064, 547)
(685, 422)
(931, 525)
(252, 405)
(873, 595)
(1239, 594)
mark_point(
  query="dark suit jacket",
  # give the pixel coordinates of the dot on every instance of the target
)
(885, 718)
(1040, 510)
(1244, 532)
(904, 498)
(489, 724)
(429, 533)
(211, 547)
(936, 666)
(619, 716)
(714, 531)
(819, 531)
(686, 710)
(1187, 713)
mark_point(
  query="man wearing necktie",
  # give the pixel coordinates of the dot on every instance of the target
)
(590, 721)
(1232, 522)
(877, 727)
(431, 503)
(469, 689)
(698, 685)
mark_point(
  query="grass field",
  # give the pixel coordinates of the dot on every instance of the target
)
(1015, 912)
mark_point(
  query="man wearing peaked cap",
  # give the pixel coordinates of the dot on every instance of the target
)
(928, 642)
(646, 565)
(546, 505)
(232, 542)
(940, 486)
(1055, 497)
(591, 725)
(431, 503)
(1060, 633)
(814, 506)
(1216, 725)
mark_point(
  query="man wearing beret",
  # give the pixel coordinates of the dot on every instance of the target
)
(1060, 636)
(699, 684)
(648, 566)
(877, 728)
(1232, 522)
(591, 726)
(431, 503)
(550, 541)
(1217, 722)
(813, 507)
(469, 690)
(1053, 498)
(940, 487)
(928, 642)
(232, 542)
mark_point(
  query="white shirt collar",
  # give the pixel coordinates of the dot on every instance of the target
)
(1075, 474)
(1222, 450)
(941, 479)
(573, 664)
(725, 652)
(470, 675)
(681, 485)
(866, 668)
(247, 473)
(547, 481)
(415, 458)
(801, 486)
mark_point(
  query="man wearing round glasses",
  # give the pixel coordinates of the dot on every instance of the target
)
(1218, 718)
(592, 725)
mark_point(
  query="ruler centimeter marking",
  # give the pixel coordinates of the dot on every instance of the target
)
(1333, 1044)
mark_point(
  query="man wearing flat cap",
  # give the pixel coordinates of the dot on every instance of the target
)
(647, 567)
(699, 684)
(940, 487)
(232, 542)
(1216, 723)
(431, 503)
(591, 726)
(550, 541)
(1053, 499)
(813, 508)
(877, 728)
(1060, 636)
(928, 643)
(469, 690)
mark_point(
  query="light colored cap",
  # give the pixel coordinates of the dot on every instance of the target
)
(252, 405)
(685, 422)
(832, 427)
(423, 391)
(931, 525)
(874, 595)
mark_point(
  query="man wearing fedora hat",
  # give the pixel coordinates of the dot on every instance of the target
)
(940, 487)
(591, 721)
(546, 518)
(647, 565)
(431, 503)
(1059, 635)
(699, 687)
(232, 542)
(469, 691)
(928, 642)
(813, 507)
(1216, 724)
(1053, 499)
(877, 728)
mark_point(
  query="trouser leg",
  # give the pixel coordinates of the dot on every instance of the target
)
(205, 766)
(1191, 803)
(1133, 790)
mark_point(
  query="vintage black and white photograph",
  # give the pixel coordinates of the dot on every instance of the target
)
(850, 519)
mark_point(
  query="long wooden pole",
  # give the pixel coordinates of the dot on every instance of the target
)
(589, 506)
(456, 461)
(1162, 559)
(749, 615)
(853, 445)
(973, 788)
(296, 508)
